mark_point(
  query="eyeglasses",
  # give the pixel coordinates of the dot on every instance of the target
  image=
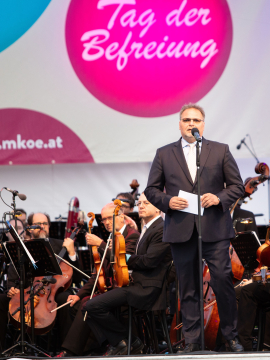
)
(145, 203)
(125, 206)
(109, 218)
(188, 121)
(40, 223)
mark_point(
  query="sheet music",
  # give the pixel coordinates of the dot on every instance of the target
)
(192, 202)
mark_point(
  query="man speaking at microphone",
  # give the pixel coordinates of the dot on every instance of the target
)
(174, 167)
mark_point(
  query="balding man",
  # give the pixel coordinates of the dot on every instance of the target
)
(80, 331)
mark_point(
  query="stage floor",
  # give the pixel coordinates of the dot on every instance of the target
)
(263, 355)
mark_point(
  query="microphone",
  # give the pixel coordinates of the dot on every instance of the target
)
(16, 193)
(241, 142)
(196, 134)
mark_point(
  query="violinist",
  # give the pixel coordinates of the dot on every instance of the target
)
(80, 332)
(128, 207)
(252, 296)
(147, 291)
(63, 318)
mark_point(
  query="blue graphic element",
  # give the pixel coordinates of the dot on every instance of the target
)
(16, 17)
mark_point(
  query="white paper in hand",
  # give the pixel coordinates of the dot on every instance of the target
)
(192, 202)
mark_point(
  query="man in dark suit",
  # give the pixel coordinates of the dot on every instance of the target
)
(147, 291)
(174, 167)
(80, 333)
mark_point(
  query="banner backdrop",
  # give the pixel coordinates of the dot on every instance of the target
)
(103, 80)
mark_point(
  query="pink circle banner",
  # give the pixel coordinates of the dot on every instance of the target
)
(148, 57)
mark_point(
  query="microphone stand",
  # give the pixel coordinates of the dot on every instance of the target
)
(200, 242)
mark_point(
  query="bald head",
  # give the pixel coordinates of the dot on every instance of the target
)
(107, 217)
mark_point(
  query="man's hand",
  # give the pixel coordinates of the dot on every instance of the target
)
(130, 222)
(74, 298)
(12, 291)
(208, 200)
(69, 244)
(92, 239)
(177, 203)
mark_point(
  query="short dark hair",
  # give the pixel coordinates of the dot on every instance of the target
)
(22, 211)
(192, 106)
(30, 218)
(128, 197)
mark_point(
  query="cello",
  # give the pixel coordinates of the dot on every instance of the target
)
(45, 289)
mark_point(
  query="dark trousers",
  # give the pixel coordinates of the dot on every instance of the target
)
(216, 254)
(252, 295)
(101, 317)
(79, 333)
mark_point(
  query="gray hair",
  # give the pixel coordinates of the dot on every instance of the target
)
(192, 106)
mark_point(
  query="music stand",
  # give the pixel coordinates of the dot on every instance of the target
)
(47, 265)
(246, 244)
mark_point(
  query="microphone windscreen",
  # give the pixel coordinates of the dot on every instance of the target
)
(194, 130)
(22, 196)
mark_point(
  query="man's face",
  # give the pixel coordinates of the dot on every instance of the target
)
(107, 218)
(186, 127)
(146, 209)
(19, 229)
(42, 221)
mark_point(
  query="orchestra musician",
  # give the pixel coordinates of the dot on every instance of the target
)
(63, 318)
(174, 167)
(252, 296)
(80, 332)
(147, 291)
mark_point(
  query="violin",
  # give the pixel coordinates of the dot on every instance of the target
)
(96, 257)
(45, 289)
(118, 252)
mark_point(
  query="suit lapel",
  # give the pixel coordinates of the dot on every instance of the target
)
(148, 232)
(206, 148)
(179, 154)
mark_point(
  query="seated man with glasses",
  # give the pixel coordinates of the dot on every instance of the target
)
(147, 290)
(43, 220)
(80, 332)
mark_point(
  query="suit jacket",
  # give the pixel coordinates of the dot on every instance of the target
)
(150, 266)
(57, 247)
(243, 214)
(131, 236)
(219, 175)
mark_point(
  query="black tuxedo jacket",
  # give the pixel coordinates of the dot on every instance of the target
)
(219, 175)
(149, 267)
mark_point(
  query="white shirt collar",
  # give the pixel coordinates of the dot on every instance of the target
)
(185, 143)
(151, 222)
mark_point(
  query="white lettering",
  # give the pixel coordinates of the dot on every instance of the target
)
(9, 144)
(190, 18)
(102, 3)
(39, 144)
(92, 44)
(30, 144)
(59, 142)
(210, 52)
(129, 19)
(20, 142)
(51, 144)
